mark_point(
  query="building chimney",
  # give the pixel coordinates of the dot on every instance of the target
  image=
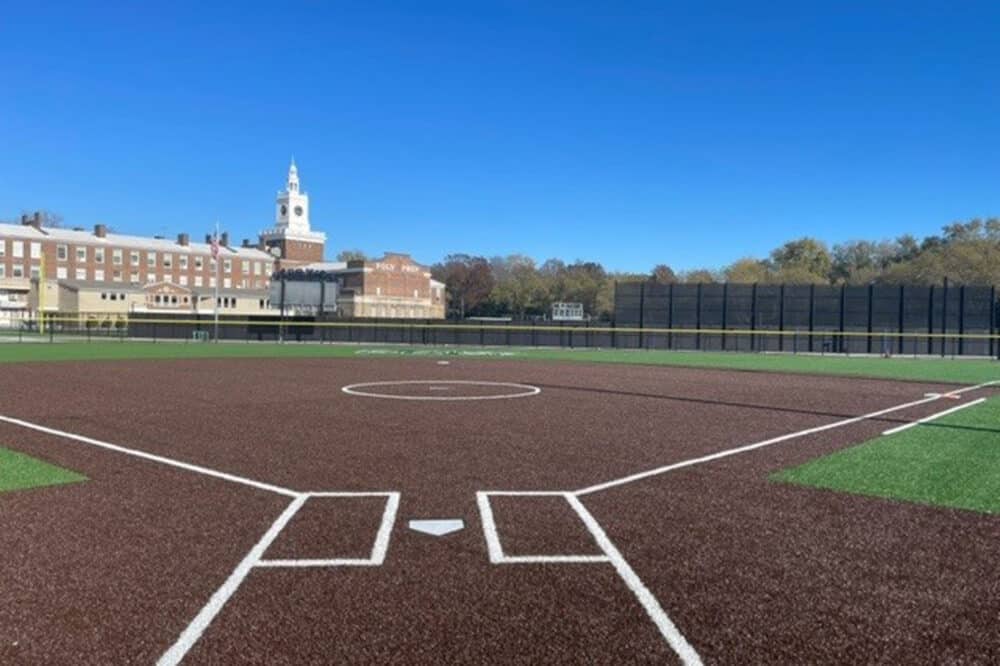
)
(100, 230)
(224, 239)
(208, 239)
(183, 240)
(37, 222)
(246, 242)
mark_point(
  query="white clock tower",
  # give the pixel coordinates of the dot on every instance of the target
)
(292, 240)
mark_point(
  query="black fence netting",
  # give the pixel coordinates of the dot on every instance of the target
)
(874, 319)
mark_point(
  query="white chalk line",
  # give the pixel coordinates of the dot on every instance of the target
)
(198, 469)
(197, 627)
(649, 602)
(527, 390)
(933, 417)
(611, 555)
(768, 442)
(254, 559)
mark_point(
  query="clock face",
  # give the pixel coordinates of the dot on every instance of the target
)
(298, 211)
(284, 209)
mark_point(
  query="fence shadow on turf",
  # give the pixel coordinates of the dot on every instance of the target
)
(750, 405)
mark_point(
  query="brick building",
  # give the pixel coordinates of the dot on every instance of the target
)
(394, 286)
(102, 272)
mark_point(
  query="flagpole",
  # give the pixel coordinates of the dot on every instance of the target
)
(217, 262)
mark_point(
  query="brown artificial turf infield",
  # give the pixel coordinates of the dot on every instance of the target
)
(750, 571)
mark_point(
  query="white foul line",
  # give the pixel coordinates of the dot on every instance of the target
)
(932, 417)
(768, 442)
(205, 616)
(653, 608)
(153, 457)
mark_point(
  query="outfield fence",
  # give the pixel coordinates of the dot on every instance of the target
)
(871, 319)
(515, 334)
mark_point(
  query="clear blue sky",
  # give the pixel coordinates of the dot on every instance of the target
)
(626, 133)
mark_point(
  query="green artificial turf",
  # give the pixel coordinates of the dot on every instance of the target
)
(963, 371)
(953, 462)
(20, 472)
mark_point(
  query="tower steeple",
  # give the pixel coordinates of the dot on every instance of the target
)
(293, 177)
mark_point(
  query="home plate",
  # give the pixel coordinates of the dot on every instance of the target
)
(437, 527)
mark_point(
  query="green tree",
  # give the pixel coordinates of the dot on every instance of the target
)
(805, 259)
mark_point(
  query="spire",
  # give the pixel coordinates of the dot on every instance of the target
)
(293, 177)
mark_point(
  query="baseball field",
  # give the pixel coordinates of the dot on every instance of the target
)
(211, 503)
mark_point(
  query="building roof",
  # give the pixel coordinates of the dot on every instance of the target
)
(127, 241)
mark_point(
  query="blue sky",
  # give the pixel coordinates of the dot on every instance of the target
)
(627, 133)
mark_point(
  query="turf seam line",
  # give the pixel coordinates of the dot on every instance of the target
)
(203, 619)
(768, 442)
(206, 471)
(933, 417)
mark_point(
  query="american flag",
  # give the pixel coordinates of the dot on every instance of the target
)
(215, 247)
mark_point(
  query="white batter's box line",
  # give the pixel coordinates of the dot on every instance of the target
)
(493, 545)
(611, 555)
(379, 549)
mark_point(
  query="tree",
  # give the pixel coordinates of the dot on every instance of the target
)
(351, 255)
(699, 275)
(519, 289)
(748, 271)
(663, 274)
(468, 282)
(805, 259)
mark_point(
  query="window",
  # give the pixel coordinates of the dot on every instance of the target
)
(61, 273)
(3, 248)
(81, 254)
(150, 279)
(378, 291)
(81, 274)
(173, 300)
(168, 261)
(62, 252)
(3, 271)
(183, 280)
(134, 277)
(121, 297)
(261, 304)
(98, 255)
(227, 283)
(114, 297)
(133, 258)
(158, 299)
(36, 250)
(198, 281)
(117, 276)
(227, 265)
(104, 296)
(116, 257)
(99, 275)
(168, 278)
(258, 268)
(17, 249)
(151, 259)
(245, 266)
(183, 262)
(211, 282)
(199, 262)
(18, 271)
(415, 293)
